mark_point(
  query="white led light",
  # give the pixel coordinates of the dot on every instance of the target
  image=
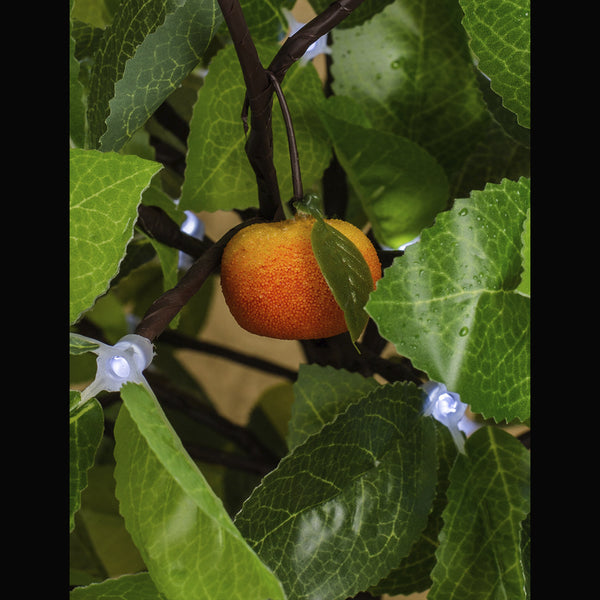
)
(445, 407)
(120, 367)
(116, 365)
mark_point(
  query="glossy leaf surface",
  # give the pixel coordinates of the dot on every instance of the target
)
(160, 63)
(86, 426)
(346, 273)
(451, 304)
(499, 35)
(342, 509)
(401, 187)
(479, 557)
(106, 190)
(180, 527)
(320, 394)
(127, 587)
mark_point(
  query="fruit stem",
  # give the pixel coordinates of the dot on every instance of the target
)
(293, 148)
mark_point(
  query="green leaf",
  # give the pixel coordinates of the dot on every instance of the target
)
(400, 185)
(80, 344)
(218, 175)
(77, 120)
(340, 511)
(346, 273)
(127, 587)
(450, 303)
(188, 542)
(525, 285)
(265, 20)
(105, 193)
(86, 427)
(320, 394)
(500, 39)
(410, 68)
(413, 572)
(479, 557)
(160, 63)
(134, 20)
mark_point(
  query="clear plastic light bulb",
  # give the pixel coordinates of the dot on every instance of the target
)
(122, 363)
(318, 47)
(445, 407)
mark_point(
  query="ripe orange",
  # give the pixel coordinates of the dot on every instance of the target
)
(273, 285)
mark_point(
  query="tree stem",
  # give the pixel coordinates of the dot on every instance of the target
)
(259, 145)
(165, 307)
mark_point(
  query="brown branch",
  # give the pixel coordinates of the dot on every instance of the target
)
(296, 45)
(165, 307)
(259, 144)
(155, 223)
(178, 340)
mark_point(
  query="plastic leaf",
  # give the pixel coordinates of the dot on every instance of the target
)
(347, 504)
(401, 187)
(188, 542)
(479, 557)
(105, 193)
(451, 304)
(346, 273)
(499, 35)
(86, 426)
(127, 587)
(320, 394)
(410, 68)
(160, 63)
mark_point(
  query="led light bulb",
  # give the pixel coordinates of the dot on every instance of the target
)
(445, 407)
(122, 363)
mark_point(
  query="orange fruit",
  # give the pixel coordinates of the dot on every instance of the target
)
(273, 285)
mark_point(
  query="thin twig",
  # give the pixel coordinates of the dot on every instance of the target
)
(178, 340)
(293, 148)
(155, 223)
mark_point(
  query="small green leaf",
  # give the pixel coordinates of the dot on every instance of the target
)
(479, 557)
(450, 304)
(188, 542)
(347, 504)
(346, 273)
(499, 35)
(106, 190)
(86, 427)
(80, 344)
(126, 587)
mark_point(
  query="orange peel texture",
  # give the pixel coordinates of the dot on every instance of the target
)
(273, 285)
